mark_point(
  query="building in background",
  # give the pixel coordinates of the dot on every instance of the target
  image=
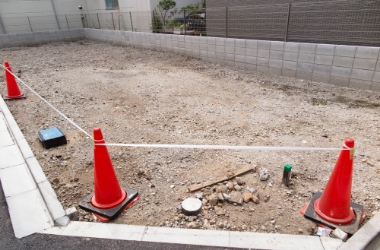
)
(40, 15)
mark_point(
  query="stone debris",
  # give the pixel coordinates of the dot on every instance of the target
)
(251, 189)
(222, 189)
(263, 173)
(213, 199)
(199, 195)
(236, 197)
(339, 234)
(230, 186)
(266, 198)
(226, 196)
(220, 197)
(255, 199)
(247, 196)
(239, 181)
(219, 210)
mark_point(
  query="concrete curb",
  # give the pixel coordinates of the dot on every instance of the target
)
(25, 183)
(368, 237)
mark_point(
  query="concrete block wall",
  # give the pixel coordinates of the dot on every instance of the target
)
(27, 39)
(348, 66)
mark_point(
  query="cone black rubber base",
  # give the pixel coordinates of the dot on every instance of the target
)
(350, 228)
(110, 213)
(14, 98)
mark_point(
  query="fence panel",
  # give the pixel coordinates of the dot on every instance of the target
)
(75, 21)
(259, 22)
(125, 21)
(344, 22)
(43, 23)
(16, 24)
(141, 21)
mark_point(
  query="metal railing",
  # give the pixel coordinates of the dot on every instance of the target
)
(40, 23)
(338, 22)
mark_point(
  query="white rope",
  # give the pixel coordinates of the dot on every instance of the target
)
(59, 112)
(221, 147)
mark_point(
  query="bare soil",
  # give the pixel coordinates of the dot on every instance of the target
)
(145, 96)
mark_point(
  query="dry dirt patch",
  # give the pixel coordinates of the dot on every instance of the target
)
(144, 96)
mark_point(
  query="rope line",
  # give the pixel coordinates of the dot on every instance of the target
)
(50, 105)
(221, 147)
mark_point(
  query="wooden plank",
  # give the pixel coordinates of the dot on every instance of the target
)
(209, 183)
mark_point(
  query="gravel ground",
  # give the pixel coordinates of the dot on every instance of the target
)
(145, 96)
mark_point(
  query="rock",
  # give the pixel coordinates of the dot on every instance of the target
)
(199, 195)
(267, 197)
(220, 224)
(236, 197)
(300, 230)
(339, 234)
(247, 196)
(213, 199)
(212, 222)
(230, 186)
(251, 189)
(226, 196)
(222, 189)
(238, 188)
(219, 211)
(206, 223)
(255, 199)
(56, 180)
(171, 186)
(239, 181)
(140, 172)
(193, 225)
(263, 173)
(220, 197)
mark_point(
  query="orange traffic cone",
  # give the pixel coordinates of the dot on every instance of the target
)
(334, 207)
(108, 199)
(12, 87)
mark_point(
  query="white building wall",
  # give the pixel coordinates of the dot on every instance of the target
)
(27, 16)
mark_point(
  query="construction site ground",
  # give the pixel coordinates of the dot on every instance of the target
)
(153, 97)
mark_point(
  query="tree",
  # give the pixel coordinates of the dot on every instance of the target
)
(165, 6)
(156, 25)
(194, 7)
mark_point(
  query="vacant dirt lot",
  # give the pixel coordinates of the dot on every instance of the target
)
(144, 96)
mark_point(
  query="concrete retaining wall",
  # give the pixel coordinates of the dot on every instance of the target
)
(35, 38)
(348, 66)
